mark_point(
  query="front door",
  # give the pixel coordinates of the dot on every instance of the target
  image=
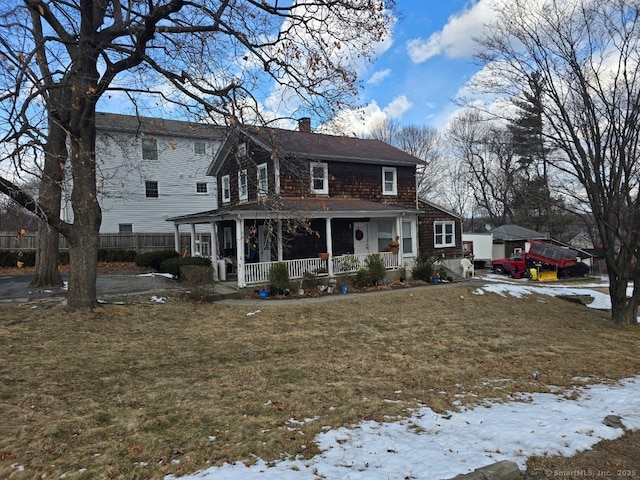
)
(361, 238)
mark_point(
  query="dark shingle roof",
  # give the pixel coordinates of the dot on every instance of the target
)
(314, 207)
(319, 146)
(515, 233)
(114, 122)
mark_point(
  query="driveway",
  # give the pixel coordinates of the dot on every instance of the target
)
(15, 288)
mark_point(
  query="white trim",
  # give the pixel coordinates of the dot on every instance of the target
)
(226, 188)
(443, 242)
(243, 187)
(325, 177)
(385, 182)
(263, 183)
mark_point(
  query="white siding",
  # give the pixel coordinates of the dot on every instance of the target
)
(122, 175)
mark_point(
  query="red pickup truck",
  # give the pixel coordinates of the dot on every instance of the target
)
(540, 255)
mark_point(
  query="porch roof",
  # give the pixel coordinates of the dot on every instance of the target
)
(297, 206)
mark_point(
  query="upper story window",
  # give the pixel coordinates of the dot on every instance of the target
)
(263, 180)
(319, 178)
(151, 189)
(202, 187)
(226, 189)
(243, 188)
(149, 149)
(389, 181)
(199, 148)
(444, 234)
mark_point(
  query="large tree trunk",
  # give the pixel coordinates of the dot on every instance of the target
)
(83, 236)
(46, 273)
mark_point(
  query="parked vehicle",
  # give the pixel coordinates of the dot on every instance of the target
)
(540, 256)
(479, 248)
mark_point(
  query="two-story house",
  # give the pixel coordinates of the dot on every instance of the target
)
(151, 169)
(321, 203)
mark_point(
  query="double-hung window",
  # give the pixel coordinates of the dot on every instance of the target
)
(243, 188)
(389, 181)
(263, 180)
(226, 189)
(151, 189)
(199, 147)
(319, 178)
(149, 148)
(444, 234)
(407, 238)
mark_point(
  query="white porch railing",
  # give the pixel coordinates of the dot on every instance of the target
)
(258, 273)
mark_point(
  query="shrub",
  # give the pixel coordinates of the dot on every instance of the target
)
(154, 259)
(10, 258)
(279, 276)
(363, 278)
(172, 265)
(423, 269)
(116, 255)
(373, 272)
(375, 265)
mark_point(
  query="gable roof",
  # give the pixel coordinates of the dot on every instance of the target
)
(435, 206)
(506, 233)
(317, 147)
(115, 122)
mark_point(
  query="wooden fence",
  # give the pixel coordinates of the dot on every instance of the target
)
(140, 242)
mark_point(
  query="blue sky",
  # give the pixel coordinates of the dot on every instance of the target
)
(429, 60)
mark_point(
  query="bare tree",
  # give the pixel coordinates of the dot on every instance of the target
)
(213, 58)
(422, 142)
(587, 55)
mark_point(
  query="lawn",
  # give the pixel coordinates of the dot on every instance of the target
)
(144, 389)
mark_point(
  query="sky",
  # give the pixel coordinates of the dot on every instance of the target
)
(427, 445)
(416, 71)
(425, 64)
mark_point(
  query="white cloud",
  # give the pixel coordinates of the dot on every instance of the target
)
(397, 107)
(379, 76)
(456, 39)
(359, 123)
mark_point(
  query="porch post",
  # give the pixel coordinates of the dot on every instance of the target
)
(176, 237)
(329, 246)
(193, 240)
(399, 233)
(214, 249)
(280, 255)
(240, 251)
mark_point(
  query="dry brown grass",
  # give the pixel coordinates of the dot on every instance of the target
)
(131, 390)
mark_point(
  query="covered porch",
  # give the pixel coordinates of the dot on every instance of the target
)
(313, 237)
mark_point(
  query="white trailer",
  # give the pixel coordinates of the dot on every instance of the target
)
(479, 247)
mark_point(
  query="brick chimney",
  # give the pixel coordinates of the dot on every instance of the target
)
(304, 125)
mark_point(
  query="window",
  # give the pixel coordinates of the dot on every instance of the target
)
(201, 187)
(407, 238)
(226, 189)
(444, 234)
(263, 180)
(243, 190)
(151, 189)
(149, 149)
(385, 235)
(125, 228)
(199, 148)
(389, 181)
(319, 178)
